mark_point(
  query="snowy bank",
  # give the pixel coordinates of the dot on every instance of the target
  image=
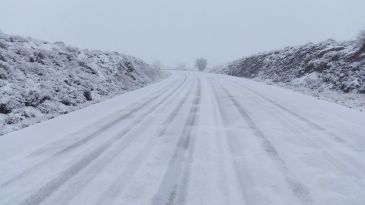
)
(330, 70)
(41, 80)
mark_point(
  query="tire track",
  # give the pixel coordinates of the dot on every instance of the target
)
(344, 165)
(106, 125)
(123, 179)
(49, 188)
(88, 137)
(172, 189)
(352, 168)
(97, 167)
(109, 125)
(246, 194)
(246, 191)
(311, 124)
(298, 189)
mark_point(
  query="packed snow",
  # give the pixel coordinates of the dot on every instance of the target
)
(41, 80)
(193, 138)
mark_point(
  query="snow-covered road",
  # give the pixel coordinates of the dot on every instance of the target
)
(194, 138)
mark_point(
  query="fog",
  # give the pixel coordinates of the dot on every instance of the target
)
(180, 31)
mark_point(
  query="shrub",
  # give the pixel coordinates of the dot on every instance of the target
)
(87, 95)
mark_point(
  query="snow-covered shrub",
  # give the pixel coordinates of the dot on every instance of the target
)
(40, 80)
(87, 95)
(19, 39)
(4, 108)
(333, 63)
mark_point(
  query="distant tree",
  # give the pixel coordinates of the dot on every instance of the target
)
(201, 64)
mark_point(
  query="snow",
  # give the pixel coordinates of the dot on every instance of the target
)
(193, 138)
(41, 80)
(330, 70)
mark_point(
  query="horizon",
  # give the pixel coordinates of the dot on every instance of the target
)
(179, 32)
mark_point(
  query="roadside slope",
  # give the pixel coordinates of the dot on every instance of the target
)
(331, 70)
(41, 80)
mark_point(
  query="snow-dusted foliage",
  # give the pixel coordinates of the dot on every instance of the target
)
(330, 70)
(314, 68)
(327, 65)
(40, 80)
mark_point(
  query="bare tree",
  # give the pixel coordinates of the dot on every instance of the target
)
(201, 63)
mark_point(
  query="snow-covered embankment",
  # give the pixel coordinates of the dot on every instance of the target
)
(330, 70)
(41, 80)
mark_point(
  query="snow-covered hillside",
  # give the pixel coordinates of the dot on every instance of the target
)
(323, 69)
(41, 80)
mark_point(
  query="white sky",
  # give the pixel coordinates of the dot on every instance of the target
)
(175, 31)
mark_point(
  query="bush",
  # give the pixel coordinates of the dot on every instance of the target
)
(87, 95)
(34, 99)
(5, 109)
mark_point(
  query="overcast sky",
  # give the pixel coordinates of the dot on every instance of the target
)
(179, 31)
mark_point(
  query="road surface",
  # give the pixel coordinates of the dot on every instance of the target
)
(193, 138)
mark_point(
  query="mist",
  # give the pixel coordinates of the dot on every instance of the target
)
(176, 32)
